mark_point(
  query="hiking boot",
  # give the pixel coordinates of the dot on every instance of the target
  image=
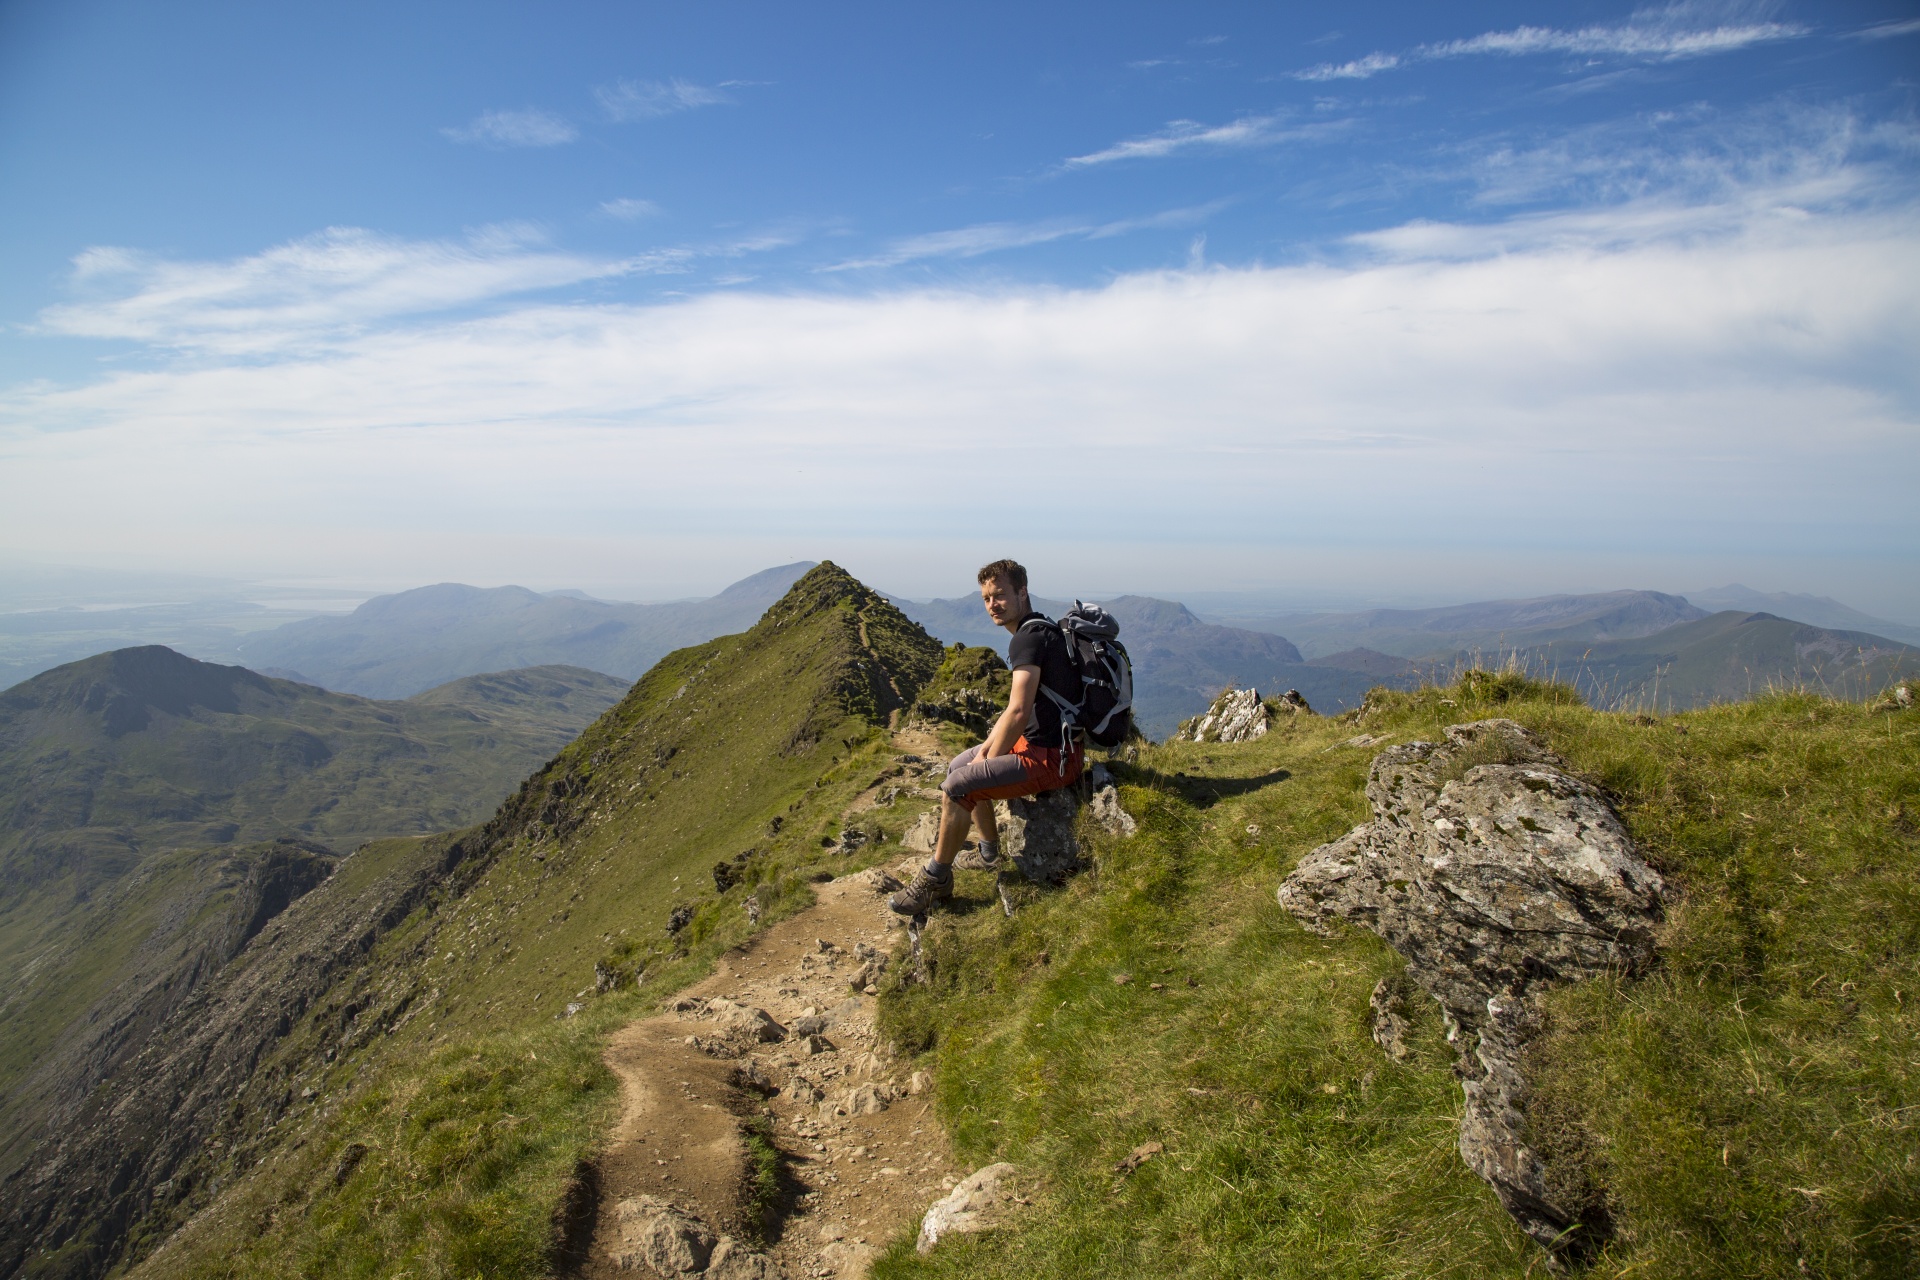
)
(923, 894)
(974, 858)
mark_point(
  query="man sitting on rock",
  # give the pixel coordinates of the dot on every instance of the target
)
(1024, 754)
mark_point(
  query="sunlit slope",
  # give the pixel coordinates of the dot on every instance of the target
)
(447, 1082)
(1749, 1104)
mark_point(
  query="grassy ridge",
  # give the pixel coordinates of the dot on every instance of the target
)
(439, 1141)
(1749, 1105)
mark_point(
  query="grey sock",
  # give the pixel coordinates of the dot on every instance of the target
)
(989, 849)
(939, 870)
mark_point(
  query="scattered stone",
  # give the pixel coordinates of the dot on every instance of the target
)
(974, 1205)
(1106, 810)
(732, 1260)
(679, 918)
(1291, 702)
(350, 1157)
(604, 979)
(574, 1007)
(1495, 873)
(920, 1082)
(808, 1024)
(740, 1022)
(654, 1233)
(867, 1099)
(879, 882)
(753, 908)
(751, 1075)
(1122, 979)
(1137, 1157)
(869, 973)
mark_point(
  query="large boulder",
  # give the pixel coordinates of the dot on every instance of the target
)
(1495, 873)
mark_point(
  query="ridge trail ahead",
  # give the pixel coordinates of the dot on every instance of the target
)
(863, 1155)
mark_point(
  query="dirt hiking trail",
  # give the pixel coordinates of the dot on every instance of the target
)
(780, 1037)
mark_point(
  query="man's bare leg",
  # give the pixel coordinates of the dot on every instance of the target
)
(954, 820)
(985, 822)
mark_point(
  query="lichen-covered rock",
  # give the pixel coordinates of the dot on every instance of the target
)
(1037, 834)
(1495, 873)
(974, 1205)
(1237, 715)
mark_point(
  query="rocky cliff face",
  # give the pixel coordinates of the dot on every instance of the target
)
(1495, 873)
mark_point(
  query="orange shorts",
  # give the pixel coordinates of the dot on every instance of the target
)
(1025, 771)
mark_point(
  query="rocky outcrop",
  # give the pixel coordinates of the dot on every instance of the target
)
(1037, 834)
(1241, 715)
(977, 1204)
(1495, 873)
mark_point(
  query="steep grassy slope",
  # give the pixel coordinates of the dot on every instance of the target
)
(1749, 1107)
(422, 1108)
(108, 927)
(394, 646)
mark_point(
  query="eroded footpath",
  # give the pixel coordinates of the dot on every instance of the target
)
(779, 1039)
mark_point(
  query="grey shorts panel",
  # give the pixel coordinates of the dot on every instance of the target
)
(968, 773)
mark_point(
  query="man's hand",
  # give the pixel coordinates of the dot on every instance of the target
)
(1013, 721)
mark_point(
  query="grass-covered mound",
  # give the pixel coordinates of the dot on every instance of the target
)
(1748, 1108)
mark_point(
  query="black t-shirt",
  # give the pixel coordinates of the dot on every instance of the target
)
(1044, 647)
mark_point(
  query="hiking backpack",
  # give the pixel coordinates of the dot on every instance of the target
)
(1105, 710)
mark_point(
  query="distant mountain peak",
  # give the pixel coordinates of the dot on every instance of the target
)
(768, 584)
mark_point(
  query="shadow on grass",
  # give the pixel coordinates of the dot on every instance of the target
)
(1204, 792)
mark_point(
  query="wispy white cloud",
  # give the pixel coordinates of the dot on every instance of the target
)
(1887, 30)
(995, 237)
(1686, 30)
(1359, 69)
(629, 209)
(628, 100)
(322, 287)
(1191, 135)
(531, 127)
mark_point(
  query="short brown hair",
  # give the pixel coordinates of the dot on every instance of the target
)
(1009, 570)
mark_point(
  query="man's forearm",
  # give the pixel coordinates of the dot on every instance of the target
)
(1000, 741)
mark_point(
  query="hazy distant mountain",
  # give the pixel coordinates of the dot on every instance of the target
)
(1179, 662)
(394, 646)
(1821, 611)
(1491, 626)
(1722, 658)
(104, 760)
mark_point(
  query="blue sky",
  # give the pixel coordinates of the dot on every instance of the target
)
(1370, 301)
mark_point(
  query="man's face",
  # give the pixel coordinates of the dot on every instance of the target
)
(1004, 604)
